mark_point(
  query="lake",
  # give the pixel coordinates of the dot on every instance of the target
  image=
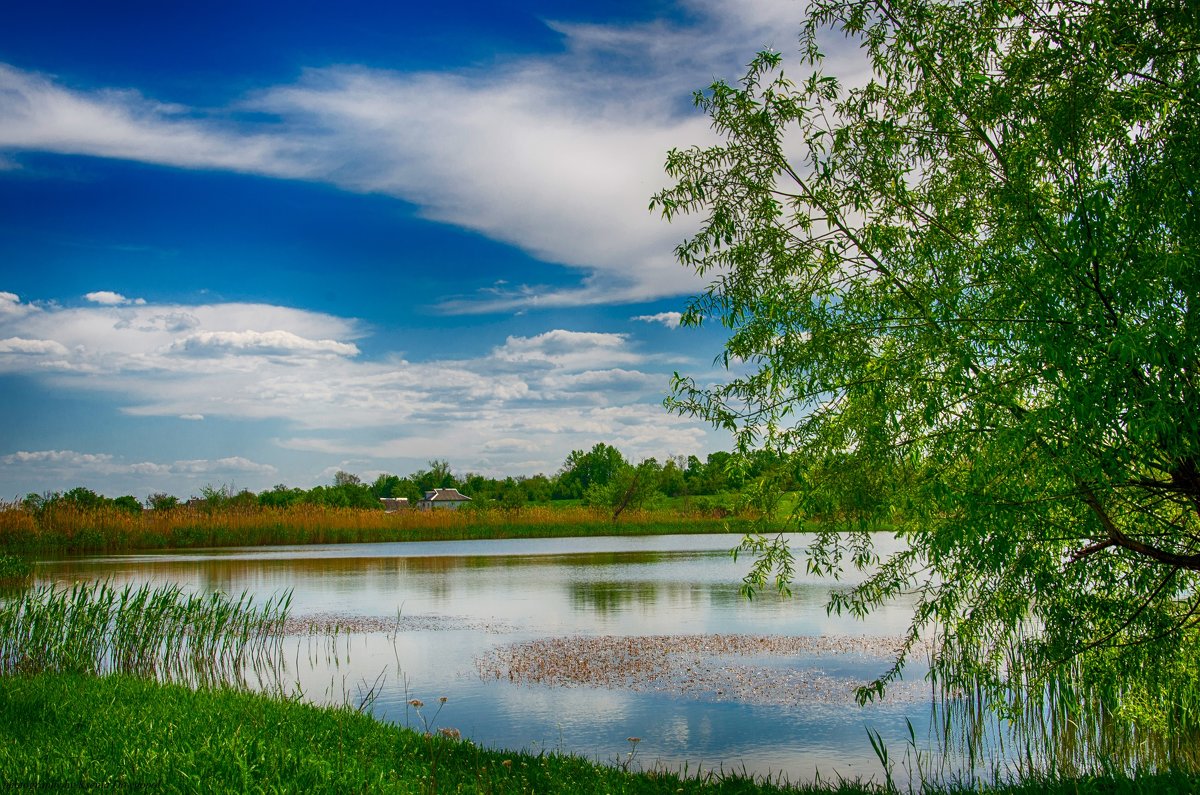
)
(574, 645)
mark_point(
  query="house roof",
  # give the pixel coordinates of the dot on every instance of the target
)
(446, 495)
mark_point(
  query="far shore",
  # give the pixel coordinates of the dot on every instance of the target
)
(71, 530)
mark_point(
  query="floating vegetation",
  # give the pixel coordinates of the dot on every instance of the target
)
(328, 623)
(93, 628)
(710, 667)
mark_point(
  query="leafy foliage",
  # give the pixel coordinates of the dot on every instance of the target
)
(587, 470)
(964, 294)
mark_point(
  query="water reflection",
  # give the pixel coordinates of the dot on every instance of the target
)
(426, 614)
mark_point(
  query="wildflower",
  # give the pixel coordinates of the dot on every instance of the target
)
(443, 700)
(416, 702)
(452, 734)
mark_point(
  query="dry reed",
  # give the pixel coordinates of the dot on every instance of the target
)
(106, 528)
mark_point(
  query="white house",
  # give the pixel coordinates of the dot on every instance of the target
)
(443, 498)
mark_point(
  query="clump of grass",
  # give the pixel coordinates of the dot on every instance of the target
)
(14, 570)
(93, 628)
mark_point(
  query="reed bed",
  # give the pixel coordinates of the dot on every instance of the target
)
(94, 628)
(107, 529)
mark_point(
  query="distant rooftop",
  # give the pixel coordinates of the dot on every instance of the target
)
(446, 495)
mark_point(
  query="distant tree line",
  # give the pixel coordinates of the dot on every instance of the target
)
(601, 476)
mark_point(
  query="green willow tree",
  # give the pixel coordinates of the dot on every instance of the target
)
(964, 292)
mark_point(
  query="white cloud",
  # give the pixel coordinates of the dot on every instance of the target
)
(57, 457)
(32, 347)
(231, 465)
(607, 381)
(131, 339)
(109, 298)
(539, 439)
(260, 343)
(668, 319)
(39, 114)
(569, 349)
(557, 390)
(556, 154)
(11, 306)
(63, 469)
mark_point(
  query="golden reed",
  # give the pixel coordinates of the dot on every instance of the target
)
(108, 528)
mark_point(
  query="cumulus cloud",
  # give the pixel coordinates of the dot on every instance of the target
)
(233, 464)
(569, 349)
(258, 343)
(32, 347)
(109, 298)
(527, 402)
(606, 381)
(668, 319)
(11, 306)
(140, 338)
(57, 469)
(539, 440)
(59, 457)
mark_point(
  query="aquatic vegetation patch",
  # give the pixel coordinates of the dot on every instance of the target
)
(327, 623)
(717, 667)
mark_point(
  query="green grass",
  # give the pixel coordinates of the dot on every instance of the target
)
(14, 570)
(70, 732)
(123, 733)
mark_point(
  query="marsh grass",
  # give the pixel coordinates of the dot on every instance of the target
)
(94, 628)
(1074, 730)
(70, 528)
(14, 570)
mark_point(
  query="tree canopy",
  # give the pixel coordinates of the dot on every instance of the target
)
(964, 291)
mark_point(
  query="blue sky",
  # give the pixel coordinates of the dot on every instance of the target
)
(253, 243)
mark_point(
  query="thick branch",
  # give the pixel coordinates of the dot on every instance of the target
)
(1091, 549)
(1118, 538)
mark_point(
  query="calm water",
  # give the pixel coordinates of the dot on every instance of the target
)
(440, 607)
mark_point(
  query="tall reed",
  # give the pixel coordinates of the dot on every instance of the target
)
(93, 628)
(1070, 726)
(72, 529)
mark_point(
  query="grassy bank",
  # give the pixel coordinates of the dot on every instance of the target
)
(107, 529)
(71, 732)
